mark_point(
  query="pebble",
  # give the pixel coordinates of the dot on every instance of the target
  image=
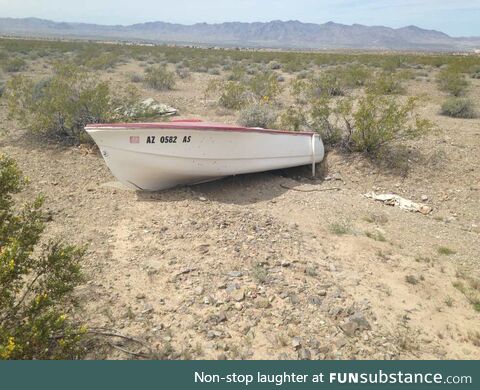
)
(238, 295)
(296, 342)
(304, 354)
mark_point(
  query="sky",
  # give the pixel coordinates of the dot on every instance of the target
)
(454, 17)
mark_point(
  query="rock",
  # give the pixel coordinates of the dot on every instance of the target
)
(324, 349)
(204, 249)
(310, 271)
(294, 299)
(235, 274)
(231, 286)
(140, 296)
(238, 295)
(322, 293)
(238, 306)
(211, 334)
(315, 300)
(349, 328)
(222, 316)
(201, 198)
(148, 309)
(424, 198)
(341, 342)
(304, 354)
(262, 303)
(360, 320)
(198, 290)
(296, 343)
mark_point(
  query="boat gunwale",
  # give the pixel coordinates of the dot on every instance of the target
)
(189, 126)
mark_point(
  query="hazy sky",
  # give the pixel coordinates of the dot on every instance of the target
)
(455, 17)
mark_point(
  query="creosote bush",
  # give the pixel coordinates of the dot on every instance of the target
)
(35, 284)
(378, 121)
(257, 115)
(452, 81)
(15, 64)
(159, 78)
(386, 84)
(456, 107)
(59, 106)
(374, 122)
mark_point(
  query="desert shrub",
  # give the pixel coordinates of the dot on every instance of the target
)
(257, 115)
(294, 119)
(265, 86)
(327, 84)
(15, 64)
(354, 75)
(102, 61)
(322, 119)
(274, 65)
(378, 121)
(159, 78)
(392, 63)
(2, 88)
(36, 284)
(475, 72)
(238, 73)
(452, 81)
(214, 71)
(233, 95)
(457, 107)
(135, 77)
(59, 106)
(303, 74)
(386, 84)
(182, 72)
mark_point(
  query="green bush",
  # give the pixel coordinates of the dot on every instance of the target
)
(321, 121)
(293, 119)
(378, 121)
(354, 75)
(14, 65)
(62, 105)
(452, 81)
(265, 86)
(36, 284)
(456, 107)
(475, 72)
(159, 78)
(135, 77)
(183, 73)
(386, 84)
(233, 95)
(257, 115)
(327, 84)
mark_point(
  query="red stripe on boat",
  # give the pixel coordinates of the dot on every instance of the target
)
(192, 124)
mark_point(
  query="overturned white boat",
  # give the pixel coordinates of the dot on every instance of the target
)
(156, 156)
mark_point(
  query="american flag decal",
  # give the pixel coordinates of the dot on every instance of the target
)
(134, 139)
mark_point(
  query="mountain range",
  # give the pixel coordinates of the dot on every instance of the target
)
(274, 34)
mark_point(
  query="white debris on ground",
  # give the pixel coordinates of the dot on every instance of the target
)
(147, 108)
(396, 200)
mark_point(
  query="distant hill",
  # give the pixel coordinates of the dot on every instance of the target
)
(275, 34)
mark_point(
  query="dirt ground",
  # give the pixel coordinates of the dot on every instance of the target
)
(274, 265)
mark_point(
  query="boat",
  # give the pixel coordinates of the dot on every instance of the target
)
(157, 156)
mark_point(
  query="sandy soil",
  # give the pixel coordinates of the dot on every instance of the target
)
(244, 268)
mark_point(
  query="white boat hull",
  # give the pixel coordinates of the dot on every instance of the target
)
(153, 158)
